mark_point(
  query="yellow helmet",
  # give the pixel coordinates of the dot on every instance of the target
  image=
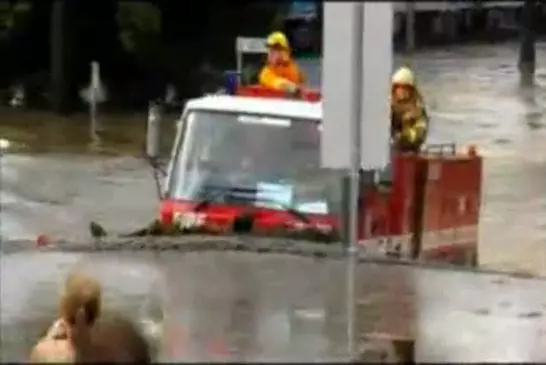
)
(277, 39)
(404, 76)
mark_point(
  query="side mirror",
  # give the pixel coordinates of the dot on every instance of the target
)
(153, 143)
(153, 131)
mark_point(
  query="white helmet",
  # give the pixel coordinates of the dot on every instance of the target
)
(404, 76)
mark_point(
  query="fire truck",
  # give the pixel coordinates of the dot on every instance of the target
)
(247, 161)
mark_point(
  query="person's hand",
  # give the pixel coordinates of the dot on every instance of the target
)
(291, 88)
(59, 330)
(79, 329)
(410, 115)
(410, 135)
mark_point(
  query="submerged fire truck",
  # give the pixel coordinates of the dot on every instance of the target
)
(248, 161)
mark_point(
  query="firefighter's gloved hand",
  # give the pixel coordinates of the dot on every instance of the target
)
(409, 135)
(291, 88)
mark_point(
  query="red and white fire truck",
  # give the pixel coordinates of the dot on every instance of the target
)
(255, 153)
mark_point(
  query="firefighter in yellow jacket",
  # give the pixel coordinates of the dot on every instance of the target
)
(409, 120)
(280, 71)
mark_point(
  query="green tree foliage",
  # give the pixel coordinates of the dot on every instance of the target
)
(190, 46)
(160, 41)
(140, 26)
(13, 16)
(14, 21)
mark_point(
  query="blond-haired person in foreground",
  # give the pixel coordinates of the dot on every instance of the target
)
(82, 335)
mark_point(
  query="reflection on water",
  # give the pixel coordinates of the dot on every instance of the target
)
(255, 307)
(40, 132)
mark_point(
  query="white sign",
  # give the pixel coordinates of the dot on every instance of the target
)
(338, 51)
(188, 220)
(376, 84)
(251, 45)
(344, 42)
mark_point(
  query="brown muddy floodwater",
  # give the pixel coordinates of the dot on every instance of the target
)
(53, 182)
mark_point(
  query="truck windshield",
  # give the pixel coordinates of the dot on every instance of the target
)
(263, 160)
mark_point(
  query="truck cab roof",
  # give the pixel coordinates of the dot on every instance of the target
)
(289, 108)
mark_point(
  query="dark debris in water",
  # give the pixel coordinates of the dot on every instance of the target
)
(502, 141)
(157, 228)
(522, 274)
(482, 311)
(196, 242)
(533, 314)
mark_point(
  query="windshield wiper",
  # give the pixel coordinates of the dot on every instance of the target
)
(221, 192)
(294, 212)
(216, 192)
(243, 222)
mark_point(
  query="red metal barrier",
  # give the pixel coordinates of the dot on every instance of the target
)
(451, 206)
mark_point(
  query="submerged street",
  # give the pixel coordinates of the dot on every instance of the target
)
(52, 183)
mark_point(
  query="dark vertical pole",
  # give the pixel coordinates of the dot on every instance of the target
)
(410, 26)
(61, 65)
(527, 52)
(1, 185)
(58, 64)
(345, 212)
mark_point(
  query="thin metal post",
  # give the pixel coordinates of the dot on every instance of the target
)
(239, 65)
(351, 307)
(345, 207)
(94, 100)
(153, 141)
(354, 176)
(1, 188)
(93, 119)
(4, 145)
(356, 107)
(527, 52)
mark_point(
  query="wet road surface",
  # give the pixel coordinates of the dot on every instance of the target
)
(241, 306)
(53, 184)
(59, 194)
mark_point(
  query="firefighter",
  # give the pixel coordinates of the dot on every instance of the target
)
(409, 120)
(280, 71)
